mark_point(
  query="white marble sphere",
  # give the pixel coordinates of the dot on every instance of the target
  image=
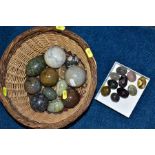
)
(75, 76)
(55, 57)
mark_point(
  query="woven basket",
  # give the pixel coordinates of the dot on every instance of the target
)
(12, 75)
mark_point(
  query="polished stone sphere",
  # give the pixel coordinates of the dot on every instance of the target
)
(141, 83)
(132, 90)
(39, 103)
(123, 81)
(72, 99)
(121, 70)
(35, 66)
(115, 97)
(50, 93)
(131, 76)
(75, 76)
(122, 92)
(55, 57)
(49, 77)
(32, 85)
(112, 84)
(55, 106)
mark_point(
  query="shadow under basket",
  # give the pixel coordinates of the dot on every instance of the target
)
(23, 48)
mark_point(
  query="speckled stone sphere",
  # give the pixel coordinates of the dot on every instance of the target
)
(32, 85)
(35, 66)
(105, 90)
(50, 93)
(55, 57)
(132, 90)
(131, 76)
(39, 103)
(72, 60)
(60, 87)
(49, 77)
(141, 83)
(55, 106)
(72, 99)
(75, 76)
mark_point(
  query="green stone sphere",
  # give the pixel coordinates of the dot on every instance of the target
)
(35, 66)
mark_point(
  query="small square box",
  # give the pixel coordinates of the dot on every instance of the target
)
(124, 106)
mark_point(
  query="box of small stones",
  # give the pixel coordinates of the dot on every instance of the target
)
(122, 89)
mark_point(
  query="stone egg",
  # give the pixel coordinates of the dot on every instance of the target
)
(60, 87)
(121, 70)
(49, 77)
(72, 99)
(115, 97)
(114, 76)
(105, 90)
(50, 93)
(132, 90)
(112, 84)
(131, 76)
(141, 83)
(39, 103)
(123, 81)
(32, 85)
(55, 106)
(75, 76)
(55, 57)
(122, 92)
(35, 66)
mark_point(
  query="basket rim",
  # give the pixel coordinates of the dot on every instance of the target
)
(12, 48)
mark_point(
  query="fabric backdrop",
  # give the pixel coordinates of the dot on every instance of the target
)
(131, 46)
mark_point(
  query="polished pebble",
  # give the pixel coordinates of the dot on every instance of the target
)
(39, 102)
(123, 81)
(112, 84)
(55, 57)
(72, 99)
(49, 77)
(122, 92)
(75, 76)
(121, 70)
(32, 85)
(114, 76)
(115, 97)
(132, 90)
(105, 90)
(141, 83)
(35, 66)
(60, 87)
(55, 106)
(131, 76)
(50, 93)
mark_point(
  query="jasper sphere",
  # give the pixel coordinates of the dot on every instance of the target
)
(49, 77)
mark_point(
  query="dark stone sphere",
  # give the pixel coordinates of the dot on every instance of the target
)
(50, 93)
(72, 99)
(39, 102)
(123, 81)
(122, 92)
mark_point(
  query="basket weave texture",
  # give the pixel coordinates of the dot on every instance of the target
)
(28, 45)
